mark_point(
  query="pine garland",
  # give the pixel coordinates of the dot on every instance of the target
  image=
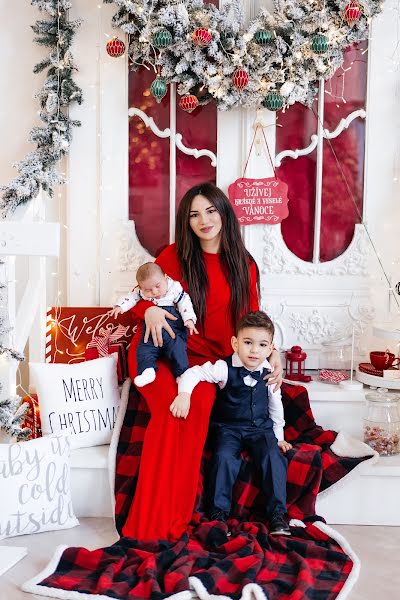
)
(12, 410)
(290, 63)
(38, 170)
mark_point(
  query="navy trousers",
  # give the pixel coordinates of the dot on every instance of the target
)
(228, 441)
(175, 350)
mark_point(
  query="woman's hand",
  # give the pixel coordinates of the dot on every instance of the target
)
(284, 446)
(156, 320)
(277, 371)
(181, 405)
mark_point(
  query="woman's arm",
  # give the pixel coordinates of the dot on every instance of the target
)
(277, 370)
(253, 300)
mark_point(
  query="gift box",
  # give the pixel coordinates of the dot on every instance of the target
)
(105, 343)
(32, 416)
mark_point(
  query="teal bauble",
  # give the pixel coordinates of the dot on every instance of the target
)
(319, 43)
(158, 89)
(273, 101)
(162, 39)
(263, 37)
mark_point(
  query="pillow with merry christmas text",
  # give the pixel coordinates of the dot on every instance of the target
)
(81, 399)
(35, 486)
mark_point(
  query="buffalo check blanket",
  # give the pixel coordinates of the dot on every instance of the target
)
(238, 561)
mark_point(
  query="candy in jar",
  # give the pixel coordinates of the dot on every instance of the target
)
(382, 422)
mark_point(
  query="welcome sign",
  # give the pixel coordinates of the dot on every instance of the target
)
(257, 201)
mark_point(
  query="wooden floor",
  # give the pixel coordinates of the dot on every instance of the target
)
(378, 549)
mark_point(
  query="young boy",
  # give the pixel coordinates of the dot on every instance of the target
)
(246, 414)
(155, 286)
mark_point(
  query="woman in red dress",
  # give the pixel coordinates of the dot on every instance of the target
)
(214, 267)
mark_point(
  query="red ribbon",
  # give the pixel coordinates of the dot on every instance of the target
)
(106, 337)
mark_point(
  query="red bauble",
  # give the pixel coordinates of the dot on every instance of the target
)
(115, 47)
(201, 37)
(240, 79)
(352, 13)
(188, 102)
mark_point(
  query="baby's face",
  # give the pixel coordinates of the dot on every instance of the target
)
(253, 345)
(154, 286)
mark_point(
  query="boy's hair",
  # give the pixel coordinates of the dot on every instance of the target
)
(147, 270)
(257, 319)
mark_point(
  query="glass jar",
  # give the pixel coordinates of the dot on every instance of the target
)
(382, 422)
(335, 360)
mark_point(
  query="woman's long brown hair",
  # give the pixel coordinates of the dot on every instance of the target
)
(235, 258)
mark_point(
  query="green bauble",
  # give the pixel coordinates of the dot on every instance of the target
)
(158, 89)
(273, 101)
(162, 38)
(319, 43)
(263, 37)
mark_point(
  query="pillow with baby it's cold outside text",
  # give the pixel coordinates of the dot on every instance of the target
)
(35, 486)
(81, 399)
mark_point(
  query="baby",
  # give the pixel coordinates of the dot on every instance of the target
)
(155, 286)
(246, 414)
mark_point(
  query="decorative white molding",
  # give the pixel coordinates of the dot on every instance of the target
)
(149, 122)
(194, 152)
(277, 258)
(314, 328)
(131, 253)
(343, 124)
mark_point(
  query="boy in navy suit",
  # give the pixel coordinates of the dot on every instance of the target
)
(246, 414)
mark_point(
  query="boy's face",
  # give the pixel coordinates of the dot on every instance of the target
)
(253, 345)
(154, 286)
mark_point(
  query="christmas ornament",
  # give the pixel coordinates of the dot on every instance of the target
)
(352, 13)
(188, 103)
(240, 79)
(273, 101)
(162, 38)
(263, 37)
(115, 47)
(201, 37)
(319, 43)
(158, 88)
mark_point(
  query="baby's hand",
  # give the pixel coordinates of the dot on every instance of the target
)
(190, 325)
(117, 310)
(284, 446)
(181, 405)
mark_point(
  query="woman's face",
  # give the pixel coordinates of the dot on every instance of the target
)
(205, 220)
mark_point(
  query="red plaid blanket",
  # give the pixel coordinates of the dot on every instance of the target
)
(248, 563)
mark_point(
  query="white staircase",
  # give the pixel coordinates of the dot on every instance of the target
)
(369, 497)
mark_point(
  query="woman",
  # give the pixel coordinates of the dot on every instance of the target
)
(214, 267)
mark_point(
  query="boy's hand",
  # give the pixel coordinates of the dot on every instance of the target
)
(284, 446)
(190, 325)
(117, 310)
(181, 405)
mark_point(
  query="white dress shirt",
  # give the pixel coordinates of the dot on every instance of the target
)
(175, 296)
(218, 373)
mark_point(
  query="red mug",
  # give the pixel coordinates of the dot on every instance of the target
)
(383, 360)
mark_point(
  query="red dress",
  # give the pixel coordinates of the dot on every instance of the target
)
(172, 448)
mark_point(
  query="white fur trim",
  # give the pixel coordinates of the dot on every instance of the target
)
(296, 523)
(251, 591)
(112, 451)
(346, 445)
(344, 544)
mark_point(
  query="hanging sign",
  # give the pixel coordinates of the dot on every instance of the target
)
(258, 201)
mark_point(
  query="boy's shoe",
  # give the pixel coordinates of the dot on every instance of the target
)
(278, 525)
(218, 515)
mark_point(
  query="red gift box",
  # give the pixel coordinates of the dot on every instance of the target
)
(106, 342)
(32, 416)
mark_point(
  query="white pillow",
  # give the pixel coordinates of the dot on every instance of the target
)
(81, 399)
(35, 486)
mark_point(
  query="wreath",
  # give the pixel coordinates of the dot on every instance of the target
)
(274, 61)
